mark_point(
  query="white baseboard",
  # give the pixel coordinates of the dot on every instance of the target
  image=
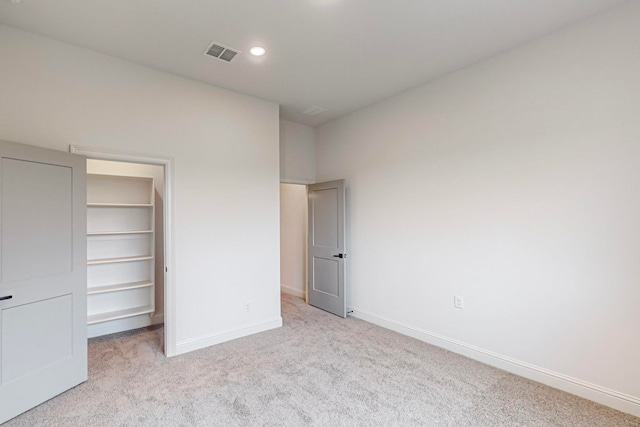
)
(121, 325)
(620, 401)
(157, 319)
(292, 291)
(228, 335)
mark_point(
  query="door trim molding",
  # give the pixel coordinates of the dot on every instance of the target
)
(296, 181)
(170, 341)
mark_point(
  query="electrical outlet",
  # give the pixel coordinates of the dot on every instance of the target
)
(458, 301)
(247, 306)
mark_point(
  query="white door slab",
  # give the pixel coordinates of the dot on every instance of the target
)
(43, 273)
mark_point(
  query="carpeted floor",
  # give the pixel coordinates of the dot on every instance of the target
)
(317, 370)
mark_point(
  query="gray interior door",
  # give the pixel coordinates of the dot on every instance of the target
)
(327, 257)
(43, 330)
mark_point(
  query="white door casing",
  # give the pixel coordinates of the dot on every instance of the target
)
(170, 333)
(326, 240)
(43, 301)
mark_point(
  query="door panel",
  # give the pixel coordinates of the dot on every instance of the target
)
(37, 204)
(325, 214)
(43, 301)
(48, 341)
(326, 265)
(326, 273)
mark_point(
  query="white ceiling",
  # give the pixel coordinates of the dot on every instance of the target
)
(337, 54)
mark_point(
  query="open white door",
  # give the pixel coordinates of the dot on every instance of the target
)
(43, 273)
(326, 289)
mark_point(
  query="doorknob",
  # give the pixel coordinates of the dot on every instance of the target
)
(6, 297)
(340, 256)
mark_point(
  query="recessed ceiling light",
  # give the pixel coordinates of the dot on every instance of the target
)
(257, 51)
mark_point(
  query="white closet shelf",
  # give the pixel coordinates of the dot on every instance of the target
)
(118, 314)
(119, 205)
(121, 246)
(118, 287)
(116, 233)
(114, 260)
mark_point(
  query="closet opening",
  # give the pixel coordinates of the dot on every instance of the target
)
(128, 244)
(293, 239)
(125, 246)
(313, 244)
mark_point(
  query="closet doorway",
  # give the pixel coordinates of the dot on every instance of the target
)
(293, 239)
(313, 244)
(128, 243)
(125, 246)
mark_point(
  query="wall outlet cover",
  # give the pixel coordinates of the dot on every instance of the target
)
(458, 301)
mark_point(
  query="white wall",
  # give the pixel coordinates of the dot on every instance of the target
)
(226, 177)
(297, 153)
(515, 184)
(293, 239)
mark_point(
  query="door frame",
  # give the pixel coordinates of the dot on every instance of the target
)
(306, 183)
(170, 343)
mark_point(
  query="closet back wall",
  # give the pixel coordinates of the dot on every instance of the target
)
(226, 179)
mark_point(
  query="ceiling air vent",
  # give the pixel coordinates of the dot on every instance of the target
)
(314, 110)
(221, 52)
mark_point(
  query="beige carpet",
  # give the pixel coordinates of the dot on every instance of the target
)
(316, 370)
